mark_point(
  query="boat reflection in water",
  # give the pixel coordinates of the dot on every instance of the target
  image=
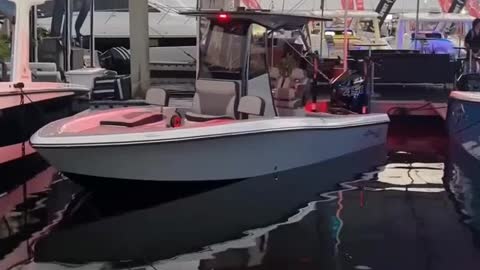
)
(463, 181)
(27, 212)
(396, 217)
(205, 224)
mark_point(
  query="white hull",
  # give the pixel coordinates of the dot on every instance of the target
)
(228, 156)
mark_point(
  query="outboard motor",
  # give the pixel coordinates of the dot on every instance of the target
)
(349, 93)
(117, 59)
(469, 82)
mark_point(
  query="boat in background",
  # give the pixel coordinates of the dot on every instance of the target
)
(244, 212)
(25, 106)
(362, 27)
(462, 175)
(232, 131)
(405, 83)
(435, 34)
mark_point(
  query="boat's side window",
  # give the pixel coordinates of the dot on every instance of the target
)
(222, 47)
(258, 52)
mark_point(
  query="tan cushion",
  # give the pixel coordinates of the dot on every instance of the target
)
(252, 105)
(290, 104)
(274, 73)
(196, 117)
(157, 96)
(215, 97)
(285, 94)
(297, 74)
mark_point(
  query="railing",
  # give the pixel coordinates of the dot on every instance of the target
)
(473, 62)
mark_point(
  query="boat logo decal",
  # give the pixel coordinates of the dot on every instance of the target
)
(374, 133)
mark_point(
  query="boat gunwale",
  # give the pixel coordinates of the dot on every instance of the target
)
(41, 145)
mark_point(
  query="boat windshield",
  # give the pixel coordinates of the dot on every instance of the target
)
(222, 48)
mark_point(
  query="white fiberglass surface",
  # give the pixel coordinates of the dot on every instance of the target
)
(54, 134)
(8, 87)
(9, 101)
(466, 96)
(90, 123)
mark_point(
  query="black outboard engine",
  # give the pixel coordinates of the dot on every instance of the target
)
(117, 59)
(349, 93)
(469, 82)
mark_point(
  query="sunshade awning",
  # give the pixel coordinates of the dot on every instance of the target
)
(267, 19)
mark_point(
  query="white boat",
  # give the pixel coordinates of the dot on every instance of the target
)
(25, 106)
(432, 38)
(405, 84)
(232, 131)
(358, 24)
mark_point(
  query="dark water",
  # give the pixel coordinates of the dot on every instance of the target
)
(418, 211)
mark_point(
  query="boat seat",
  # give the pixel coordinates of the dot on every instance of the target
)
(196, 117)
(41, 72)
(282, 83)
(214, 100)
(289, 104)
(298, 81)
(38, 66)
(291, 91)
(46, 76)
(133, 119)
(157, 96)
(274, 75)
(252, 105)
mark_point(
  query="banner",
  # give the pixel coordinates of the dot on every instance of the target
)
(383, 9)
(456, 6)
(445, 5)
(251, 4)
(360, 5)
(347, 4)
(473, 8)
(450, 6)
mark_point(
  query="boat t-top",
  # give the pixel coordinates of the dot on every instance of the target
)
(232, 131)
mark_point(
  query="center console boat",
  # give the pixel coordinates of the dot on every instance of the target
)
(234, 129)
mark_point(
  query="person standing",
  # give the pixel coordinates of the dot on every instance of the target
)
(472, 43)
(58, 17)
(82, 15)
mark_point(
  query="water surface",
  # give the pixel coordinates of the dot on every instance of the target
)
(418, 211)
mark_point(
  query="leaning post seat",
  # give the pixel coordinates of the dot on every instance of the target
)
(290, 92)
(252, 105)
(298, 81)
(275, 75)
(214, 100)
(41, 72)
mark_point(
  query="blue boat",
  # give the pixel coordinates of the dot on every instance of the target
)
(461, 181)
(463, 116)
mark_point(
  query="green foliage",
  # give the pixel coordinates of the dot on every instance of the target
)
(4, 48)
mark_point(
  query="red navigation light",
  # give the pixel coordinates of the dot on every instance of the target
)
(223, 18)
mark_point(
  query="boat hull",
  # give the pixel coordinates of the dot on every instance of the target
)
(254, 207)
(214, 158)
(19, 119)
(463, 121)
